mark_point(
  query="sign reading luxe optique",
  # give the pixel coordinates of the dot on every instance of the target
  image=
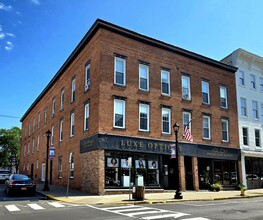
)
(114, 142)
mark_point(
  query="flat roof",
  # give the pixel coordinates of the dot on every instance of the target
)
(130, 34)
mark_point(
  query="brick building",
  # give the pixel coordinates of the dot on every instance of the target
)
(117, 96)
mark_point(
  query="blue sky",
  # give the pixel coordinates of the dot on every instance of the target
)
(37, 36)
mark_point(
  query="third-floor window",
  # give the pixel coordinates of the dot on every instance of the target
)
(186, 91)
(223, 97)
(205, 93)
(144, 77)
(120, 71)
(165, 77)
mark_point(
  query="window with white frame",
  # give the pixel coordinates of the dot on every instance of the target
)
(120, 71)
(223, 97)
(38, 120)
(60, 167)
(144, 77)
(87, 77)
(72, 123)
(225, 133)
(28, 148)
(71, 168)
(73, 89)
(243, 105)
(62, 98)
(61, 130)
(38, 141)
(33, 145)
(119, 113)
(36, 164)
(186, 120)
(144, 117)
(34, 123)
(255, 109)
(261, 83)
(166, 120)
(53, 107)
(205, 93)
(206, 127)
(86, 117)
(245, 136)
(252, 81)
(45, 116)
(241, 78)
(165, 77)
(186, 92)
(257, 137)
(52, 135)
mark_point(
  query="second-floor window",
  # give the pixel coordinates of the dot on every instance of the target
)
(86, 117)
(45, 116)
(73, 90)
(243, 105)
(186, 92)
(120, 71)
(38, 142)
(87, 77)
(144, 117)
(61, 130)
(53, 107)
(62, 98)
(245, 136)
(119, 113)
(72, 124)
(223, 97)
(241, 78)
(38, 120)
(166, 120)
(225, 133)
(255, 109)
(252, 81)
(206, 127)
(205, 92)
(257, 137)
(165, 77)
(52, 135)
(144, 77)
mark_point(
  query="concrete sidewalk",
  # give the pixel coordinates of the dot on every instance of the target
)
(59, 193)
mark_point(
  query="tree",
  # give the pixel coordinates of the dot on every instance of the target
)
(10, 147)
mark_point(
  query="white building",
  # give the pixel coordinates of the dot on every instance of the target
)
(249, 85)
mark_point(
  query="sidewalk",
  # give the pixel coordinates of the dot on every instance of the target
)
(59, 193)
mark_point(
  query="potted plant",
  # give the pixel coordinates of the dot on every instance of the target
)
(216, 187)
(242, 189)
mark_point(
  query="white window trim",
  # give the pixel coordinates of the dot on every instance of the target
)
(52, 136)
(224, 107)
(72, 123)
(86, 115)
(148, 117)
(208, 93)
(227, 127)
(169, 113)
(147, 77)
(123, 102)
(73, 89)
(246, 145)
(188, 87)
(190, 118)
(241, 73)
(87, 81)
(124, 71)
(209, 127)
(61, 130)
(254, 81)
(259, 132)
(257, 118)
(38, 141)
(62, 99)
(242, 98)
(169, 87)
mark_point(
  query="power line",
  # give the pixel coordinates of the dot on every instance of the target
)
(9, 116)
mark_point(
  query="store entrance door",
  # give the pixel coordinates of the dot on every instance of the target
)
(225, 172)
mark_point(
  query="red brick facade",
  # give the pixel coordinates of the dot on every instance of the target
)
(99, 48)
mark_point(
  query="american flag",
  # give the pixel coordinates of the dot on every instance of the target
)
(187, 134)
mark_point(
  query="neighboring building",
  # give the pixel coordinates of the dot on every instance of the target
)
(117, 96)
(249, 83)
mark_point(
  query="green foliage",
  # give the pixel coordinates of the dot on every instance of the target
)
(9, 146)
(216, 186)
(241, 186)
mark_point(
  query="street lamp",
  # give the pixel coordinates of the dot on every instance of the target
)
(178, 193)
(46, 187)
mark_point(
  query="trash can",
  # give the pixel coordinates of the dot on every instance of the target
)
(138, 192)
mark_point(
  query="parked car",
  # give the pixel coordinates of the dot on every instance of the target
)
(4, 175)
(20, 183)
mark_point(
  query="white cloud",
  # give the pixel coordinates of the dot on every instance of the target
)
(10, 34)
(9, 46)
(5, 7)
(36, 2)
(2, 35)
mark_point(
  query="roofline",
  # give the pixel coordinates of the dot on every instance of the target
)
(131, 34)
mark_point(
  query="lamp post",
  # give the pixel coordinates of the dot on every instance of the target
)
(178, 193)
(46, 187)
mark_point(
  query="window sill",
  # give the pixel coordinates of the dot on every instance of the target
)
(120, 85)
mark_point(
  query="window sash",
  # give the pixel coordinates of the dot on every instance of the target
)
(253, 81)
(241, 78)
(223, 97)
(120, 71)
(119, 113)
(72, 123)
(243, 102)
(87, 77)
(186, 93)
(257, 137)
(86, 117)
(144, 117)
(186, 120)
(62, 97)
(206, 127)
(255, 109)
(61, 131)
(53, 107)
(166, 121)
(225, 133)
(144, 77)
(245, 136)
(73, 90)
(205, 93)
(165, 77)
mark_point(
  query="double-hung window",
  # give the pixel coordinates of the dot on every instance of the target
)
(252, 81)
(257, 137)
(61, 130)
(245, 136)
(52, 135)
(87, 77)
(243, 105)
(73, 89)
(255, 109)
(62, 98)
(144, 117)
(120, 71)
(206, 127)
(72, 123)
(45, 116)
(186, 91)
(144, 77)
(38, 142)
(33, 145)
(119, 113)
(205, 93)
(223, 97)
(166, 120)
(38, 120)
(53, 107)
(225, 133)
(165, 77)
(186, 120)
(60, 167)
(86, 117)
(241, 78)
(71, 166)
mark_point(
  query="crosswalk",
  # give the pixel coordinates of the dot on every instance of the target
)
(36, 207)
(147, 213)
